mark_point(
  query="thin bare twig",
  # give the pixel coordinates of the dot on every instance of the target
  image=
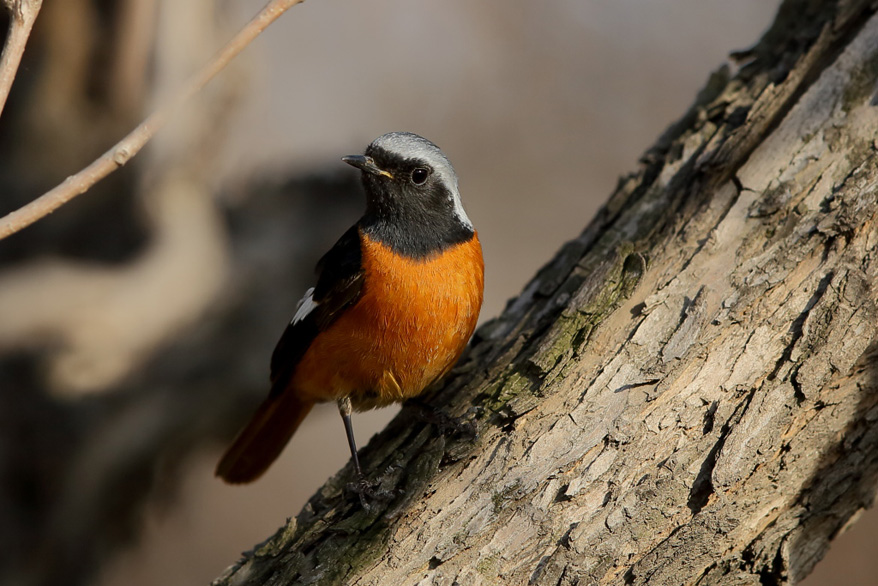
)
(129, 146)
(22, 15)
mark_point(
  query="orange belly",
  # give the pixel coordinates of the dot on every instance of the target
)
(408, 328)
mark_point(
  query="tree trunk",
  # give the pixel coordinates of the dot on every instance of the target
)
(686, 393)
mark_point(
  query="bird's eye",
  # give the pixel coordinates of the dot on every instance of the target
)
(419, 175)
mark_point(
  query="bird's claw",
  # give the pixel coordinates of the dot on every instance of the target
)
(369, 492)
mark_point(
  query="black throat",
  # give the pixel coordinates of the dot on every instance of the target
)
(415, 225)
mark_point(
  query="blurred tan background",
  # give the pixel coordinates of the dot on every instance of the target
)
(540, 106)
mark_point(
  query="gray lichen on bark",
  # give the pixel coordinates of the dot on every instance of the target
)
(687, 392)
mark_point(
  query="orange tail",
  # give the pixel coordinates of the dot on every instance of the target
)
(261, 442)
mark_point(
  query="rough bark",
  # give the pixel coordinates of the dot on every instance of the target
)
(686, 394)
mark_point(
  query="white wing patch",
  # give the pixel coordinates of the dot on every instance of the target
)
(306, 305)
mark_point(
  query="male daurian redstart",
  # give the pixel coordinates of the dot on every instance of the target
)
(396, 300)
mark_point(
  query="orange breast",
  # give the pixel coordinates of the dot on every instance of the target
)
(409, 327)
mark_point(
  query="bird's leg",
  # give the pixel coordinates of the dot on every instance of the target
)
(364, 489)
(344, 408)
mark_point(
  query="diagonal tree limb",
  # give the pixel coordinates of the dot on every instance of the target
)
(686, 393)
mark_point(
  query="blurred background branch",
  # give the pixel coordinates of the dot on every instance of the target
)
(22, 15)
(129, 146)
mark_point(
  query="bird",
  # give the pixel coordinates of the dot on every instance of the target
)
(395, 303)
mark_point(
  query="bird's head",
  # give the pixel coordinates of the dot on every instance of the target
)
(412, 196)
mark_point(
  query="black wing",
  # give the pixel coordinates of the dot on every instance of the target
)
(339, 285)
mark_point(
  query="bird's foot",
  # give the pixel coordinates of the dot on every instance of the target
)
(369, 492)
